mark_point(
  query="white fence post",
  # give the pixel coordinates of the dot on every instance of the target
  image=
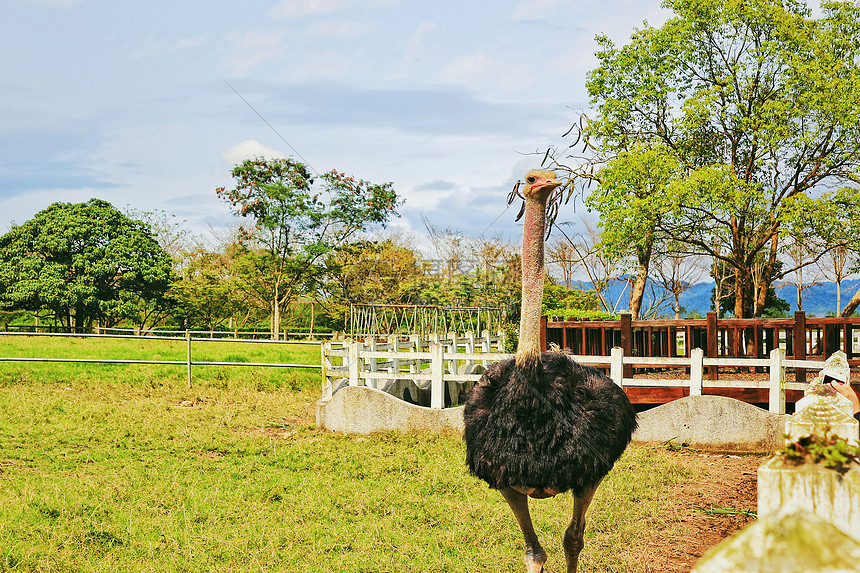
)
(437, 367)
(394, 368)
(776, 395)
(616, 365)
(188, 355)
(470, 345)
(355, 363)
(452, 349)
(415, 364)
(371, 362)
(325, 350)
(697, 371)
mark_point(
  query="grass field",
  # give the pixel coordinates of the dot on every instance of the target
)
(123, 468)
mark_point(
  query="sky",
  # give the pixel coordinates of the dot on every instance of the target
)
(149, 104)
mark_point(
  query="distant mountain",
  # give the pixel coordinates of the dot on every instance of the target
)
(817, 300)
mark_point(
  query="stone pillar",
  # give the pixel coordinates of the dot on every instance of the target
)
(808, 513)
(830, 494)
(827, 493)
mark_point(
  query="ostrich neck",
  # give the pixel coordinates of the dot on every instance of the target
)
(534, 226)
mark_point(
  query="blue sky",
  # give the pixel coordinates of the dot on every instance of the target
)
(129, 101)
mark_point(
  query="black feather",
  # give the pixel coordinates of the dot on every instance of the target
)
(557, 425)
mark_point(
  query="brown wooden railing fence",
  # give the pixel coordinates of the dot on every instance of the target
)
(800, 336)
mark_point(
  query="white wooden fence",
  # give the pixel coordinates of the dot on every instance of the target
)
(438, 360)
(365, 364)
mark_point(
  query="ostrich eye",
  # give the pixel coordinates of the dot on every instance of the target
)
(530, 180)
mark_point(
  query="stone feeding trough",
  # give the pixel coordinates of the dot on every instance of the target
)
(412, 383)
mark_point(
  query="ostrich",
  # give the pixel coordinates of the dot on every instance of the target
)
(540, 424)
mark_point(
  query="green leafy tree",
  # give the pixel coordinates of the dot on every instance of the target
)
(82, 262)
(206, 292)
(633, 197)
(561, 300)
(296, 224)
(758, 101)
(369, 272)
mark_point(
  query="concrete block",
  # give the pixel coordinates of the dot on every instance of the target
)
(713, 422)
(361, 410)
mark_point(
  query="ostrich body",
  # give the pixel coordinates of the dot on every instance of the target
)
(541, 424)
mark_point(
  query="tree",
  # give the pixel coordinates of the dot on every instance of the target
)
(677, 272)
(804, 277)
(773, 307)
(562, 256)
(371, 272)
(451, 249)
(758, 101)
(600, 268)
(632, 196)
(207, 294)
(295, 225)
(83, 262)
(836, 267)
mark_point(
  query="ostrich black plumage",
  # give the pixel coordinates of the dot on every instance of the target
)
(541, 424)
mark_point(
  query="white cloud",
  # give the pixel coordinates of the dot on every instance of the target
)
(481, 71)
(253, 49)
(338, 30)
(56, 2)
(535, 9)
(249, 149)
(157, 48)
(326, 64)
(415, 41)
(414, 50)
(296, 8)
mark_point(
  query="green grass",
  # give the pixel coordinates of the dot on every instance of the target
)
(108, 468)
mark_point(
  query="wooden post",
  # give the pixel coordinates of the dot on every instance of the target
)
(543, 333)
(776, 393)
(437, 366)
(672, 341)
(697, 370)
(626, 324)
(800, 344)
(616, 365)
(712, 349)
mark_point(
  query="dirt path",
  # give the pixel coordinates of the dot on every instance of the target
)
(728, 481)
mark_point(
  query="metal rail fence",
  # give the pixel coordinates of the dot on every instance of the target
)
(188, 362)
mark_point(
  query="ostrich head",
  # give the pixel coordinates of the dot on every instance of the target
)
(539, 184)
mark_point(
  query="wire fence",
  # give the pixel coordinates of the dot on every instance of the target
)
(188, 362)
(235, 334)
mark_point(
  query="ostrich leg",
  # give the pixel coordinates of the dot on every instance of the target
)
(535, 555)
(574, 535)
